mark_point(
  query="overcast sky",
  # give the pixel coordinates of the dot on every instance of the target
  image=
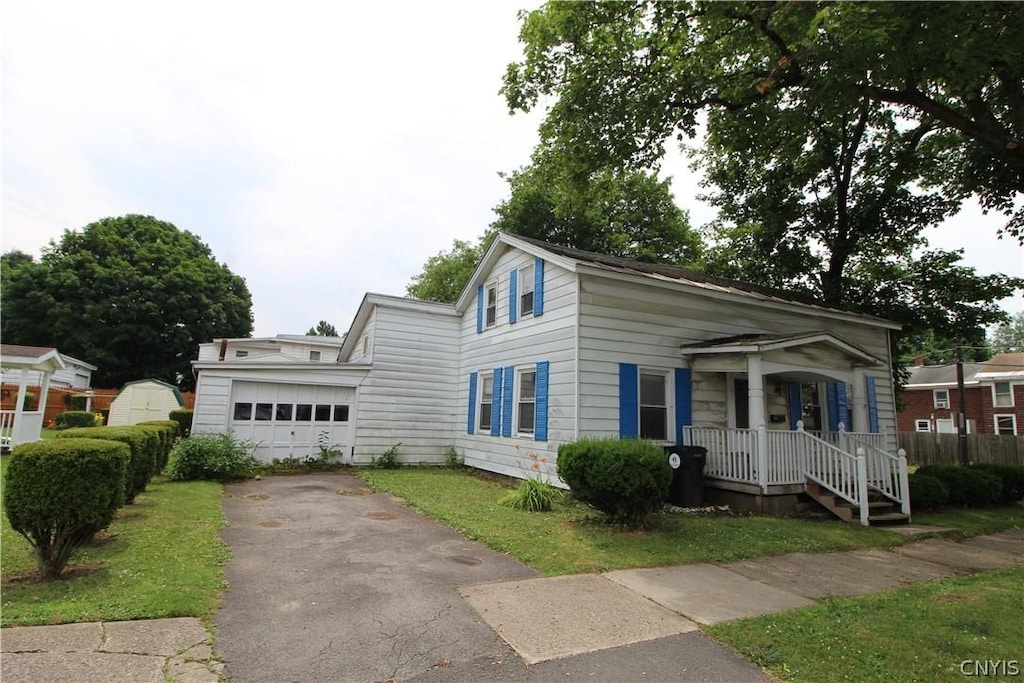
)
(321, 150)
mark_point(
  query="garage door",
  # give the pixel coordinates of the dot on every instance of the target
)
(292, 420)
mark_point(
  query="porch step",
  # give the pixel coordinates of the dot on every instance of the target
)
(881, 510)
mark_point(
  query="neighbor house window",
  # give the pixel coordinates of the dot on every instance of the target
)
(314, 356)
(941, 398)
(1005, 425)
(486, 399)
(653, 406)
(491, 312)
(525, 281)
(527, 402)
(243, 411)
(1002, 395)
(922, 426)
(241, 354)
(945, 427)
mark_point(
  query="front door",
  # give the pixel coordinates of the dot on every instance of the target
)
(741, 403)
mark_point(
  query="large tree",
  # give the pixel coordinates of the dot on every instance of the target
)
(445, 274)
(627, 76)
(323, 329)
(133, 295)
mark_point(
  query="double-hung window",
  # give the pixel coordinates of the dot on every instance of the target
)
(1005, 425)
(526, 403)
(486, 401)
(491, 311)
(654, 406)
(1002, 395)
(940, 398)
(525, 281)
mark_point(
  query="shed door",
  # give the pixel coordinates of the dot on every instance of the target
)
(292, 420)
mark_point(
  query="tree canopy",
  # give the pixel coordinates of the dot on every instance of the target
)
(445, 274)
(323, 329)
(133, 295)
(626, 77)
(1009, 337)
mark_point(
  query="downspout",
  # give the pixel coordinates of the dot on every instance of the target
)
(576, 359)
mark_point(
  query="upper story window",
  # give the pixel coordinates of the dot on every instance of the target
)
(653, 406)
(314, 356)
(241, 354)
(941, 398)
(1002, 395)
(486, 400)
(491, 300)
(526, 402)
(525, 281)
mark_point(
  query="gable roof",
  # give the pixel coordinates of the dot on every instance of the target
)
(18, 357)
(370, 300)
(602, 265)
(759, 343)
(175, 390)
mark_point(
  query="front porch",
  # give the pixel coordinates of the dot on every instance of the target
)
(773, 382)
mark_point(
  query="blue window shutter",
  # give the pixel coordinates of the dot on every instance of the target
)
(872, 405)
(832, 402)
(538, 286)
(479, 309)
(496, 403)
(506, 401)
(796, 404)
(471, 422)
(513, 291)
(843, 406)
(684, 401)
(540, 420)
(629, 401)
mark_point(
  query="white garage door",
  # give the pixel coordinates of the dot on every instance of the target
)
(292, 420)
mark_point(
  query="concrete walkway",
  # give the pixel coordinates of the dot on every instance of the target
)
(331, 582)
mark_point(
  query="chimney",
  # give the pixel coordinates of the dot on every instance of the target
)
(223, 348)
(918, 360)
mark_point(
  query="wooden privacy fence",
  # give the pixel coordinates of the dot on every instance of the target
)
(58, 399)
(929, 448)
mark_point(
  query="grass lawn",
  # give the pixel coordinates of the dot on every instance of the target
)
(161, 557)
(918, 633)
(569, 540)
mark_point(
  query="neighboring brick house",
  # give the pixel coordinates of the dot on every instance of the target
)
(993, 395)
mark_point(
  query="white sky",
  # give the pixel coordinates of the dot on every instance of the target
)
(321, 149)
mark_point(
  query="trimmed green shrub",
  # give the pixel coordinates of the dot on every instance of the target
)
(78, 403)
(968, 486)
(1012, 477)
(212, 456)
(927, 492)
(183, 416)
(74, 418)
(625, 480)
(58, 493)
(145, 448)
(167, 431)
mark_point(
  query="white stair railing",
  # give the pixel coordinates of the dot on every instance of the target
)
(843, 474)
(886, 473)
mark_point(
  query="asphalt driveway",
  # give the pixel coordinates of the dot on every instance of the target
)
(331, 582)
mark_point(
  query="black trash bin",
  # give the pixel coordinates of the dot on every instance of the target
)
(687, 488)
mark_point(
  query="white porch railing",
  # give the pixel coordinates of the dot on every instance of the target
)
(28, 427)
(886, 473)
(732, 453)
(842, 473)
(785, 458)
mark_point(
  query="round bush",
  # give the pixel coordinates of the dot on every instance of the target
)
(167, 432)
(145, 453)
(625, 480)
(1012, 477)
(74, 418)
(927, 492)
(211, 456)
(183, 416)
(58, 493)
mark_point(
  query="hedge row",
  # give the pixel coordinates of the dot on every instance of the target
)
(974, 486)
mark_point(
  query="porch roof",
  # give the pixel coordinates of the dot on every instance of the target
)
(40, 358)
(761, 343)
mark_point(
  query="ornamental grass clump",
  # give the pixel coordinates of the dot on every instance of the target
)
(625, 480)
(59, 493)
(536, 493)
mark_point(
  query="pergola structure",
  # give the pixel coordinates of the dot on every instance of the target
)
(20, 425)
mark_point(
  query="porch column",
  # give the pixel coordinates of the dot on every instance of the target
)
(19, 409)
(859, 402)
(44, 390)
(755, 408)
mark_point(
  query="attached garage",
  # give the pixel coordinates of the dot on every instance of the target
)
(292, 420)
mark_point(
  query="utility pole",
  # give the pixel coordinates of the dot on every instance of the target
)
(961, 415)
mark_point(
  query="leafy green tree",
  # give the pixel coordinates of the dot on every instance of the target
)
(1009, 337)
(323, 329)
(632, 214)
(445, 275)
(626, 77)
(133, 295)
